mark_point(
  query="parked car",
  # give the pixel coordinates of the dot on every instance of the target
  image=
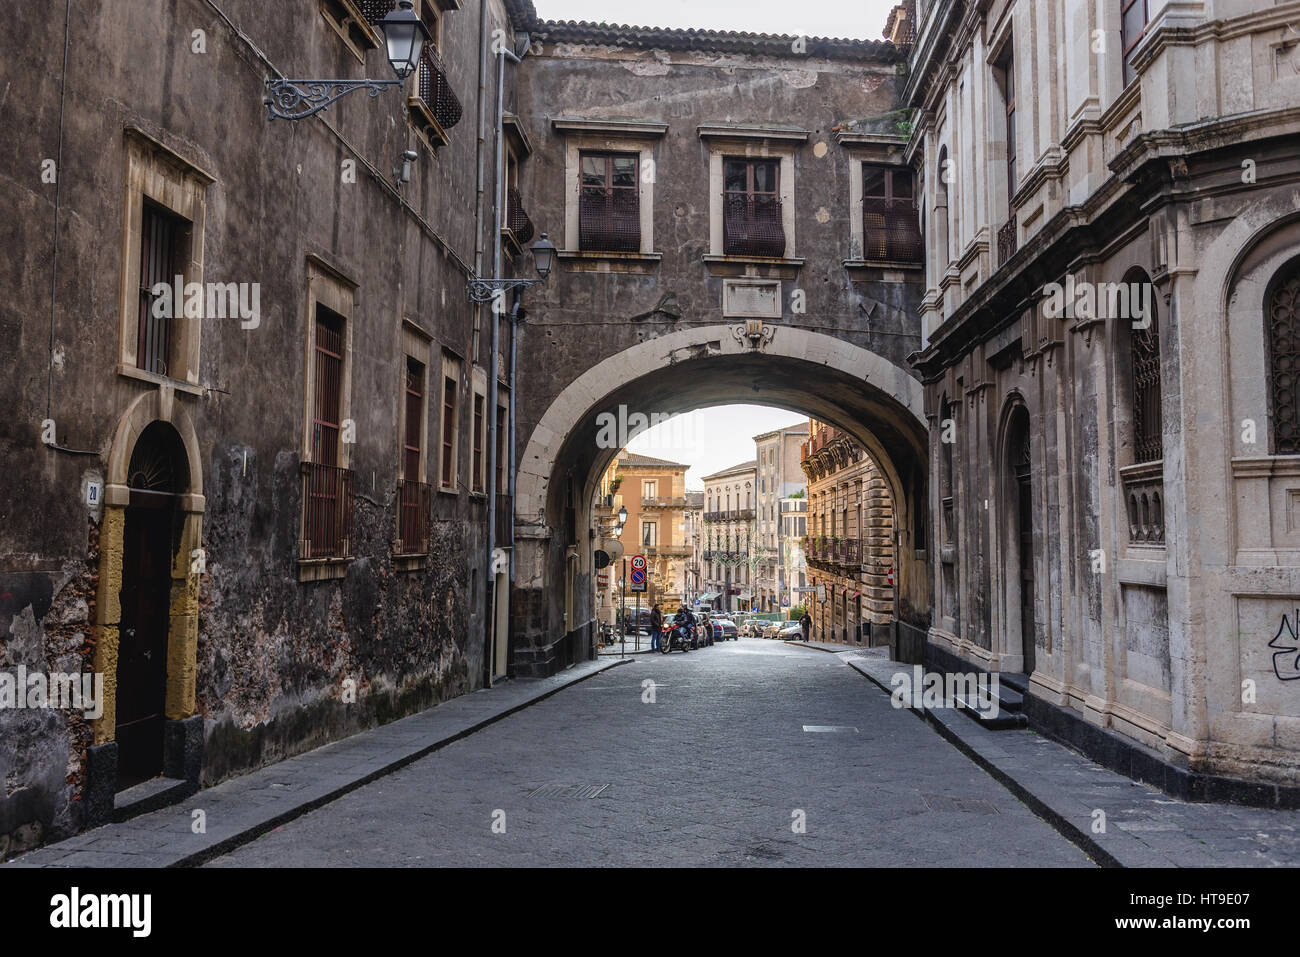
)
(770, 628)
(751, 627)
(789, 631)
(726, 629)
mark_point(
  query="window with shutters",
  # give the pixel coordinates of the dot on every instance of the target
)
(479, 454)
(414, 500)
(327, 482)
(449, 434)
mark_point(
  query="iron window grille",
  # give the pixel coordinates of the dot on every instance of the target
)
(890, 227)
(609, 203)
(752, 222)
(1283, 321)
(161, 233)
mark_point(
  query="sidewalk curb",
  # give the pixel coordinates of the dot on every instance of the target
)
(1070, 832)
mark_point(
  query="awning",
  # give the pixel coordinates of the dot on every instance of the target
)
(708, 596)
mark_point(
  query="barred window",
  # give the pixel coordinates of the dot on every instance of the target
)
(890, 229)
(752, 223)
(609, 206)
(1282, 316)
(1144, 358)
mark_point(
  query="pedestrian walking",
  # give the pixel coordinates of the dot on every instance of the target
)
(806, 624)
(656, 626)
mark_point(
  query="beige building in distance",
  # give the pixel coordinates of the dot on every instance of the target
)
(654, 493)
(849, 546)
(730, 530)
(779, 475)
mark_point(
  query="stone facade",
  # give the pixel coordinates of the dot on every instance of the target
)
(654, 493)
(779, 476)
(659, 306)
(1112, 483)
(731, 555)
(849, 546)
(162, 498)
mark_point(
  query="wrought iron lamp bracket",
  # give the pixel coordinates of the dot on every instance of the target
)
(288, 99)
(486, 290)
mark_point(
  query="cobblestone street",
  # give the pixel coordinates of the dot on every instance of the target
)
(739, 738)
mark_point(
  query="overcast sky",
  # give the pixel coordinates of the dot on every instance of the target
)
(860, 20)
(710, 440)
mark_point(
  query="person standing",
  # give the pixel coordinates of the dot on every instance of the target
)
(656, 626)
(806, 624)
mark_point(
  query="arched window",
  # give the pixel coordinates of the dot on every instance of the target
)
(1282, 333)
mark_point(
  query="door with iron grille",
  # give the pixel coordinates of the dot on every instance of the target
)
(1025, 542)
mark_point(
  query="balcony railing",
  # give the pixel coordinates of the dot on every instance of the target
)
(752, 226)
(436, 91)
(375, 10)
(609, 220)
(328, 499)
(1007, 240)
(414, 503)
(890, 230)
(517, 220)
(653, 502)
(1145, 500)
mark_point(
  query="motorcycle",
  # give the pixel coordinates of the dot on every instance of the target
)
(675, 636)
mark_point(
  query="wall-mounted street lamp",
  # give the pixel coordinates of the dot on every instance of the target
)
(404, 38)
(485, 290)
(622, 516)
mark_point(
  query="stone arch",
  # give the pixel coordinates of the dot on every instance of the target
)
(865, 395)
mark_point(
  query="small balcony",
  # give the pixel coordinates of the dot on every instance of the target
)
(518, 229)
(414, 505)
(609, 220)
(328, 495)
(752, 226)
(437, 108)
(652, 502)
(891, 231)
(1007, 240)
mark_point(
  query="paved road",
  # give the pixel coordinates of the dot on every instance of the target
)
(711, 773)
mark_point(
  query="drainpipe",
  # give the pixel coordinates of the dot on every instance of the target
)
(490, 412)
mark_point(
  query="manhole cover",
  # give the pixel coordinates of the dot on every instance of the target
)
(568, 791)
(959, 805)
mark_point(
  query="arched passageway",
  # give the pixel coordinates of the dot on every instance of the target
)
(860, 393)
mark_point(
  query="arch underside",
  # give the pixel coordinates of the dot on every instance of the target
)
(864, 395)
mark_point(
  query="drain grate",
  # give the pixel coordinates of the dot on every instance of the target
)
(569, 791)
(959, 805)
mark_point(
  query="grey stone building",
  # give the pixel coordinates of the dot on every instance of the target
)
(263, 516)
(1109, 200)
